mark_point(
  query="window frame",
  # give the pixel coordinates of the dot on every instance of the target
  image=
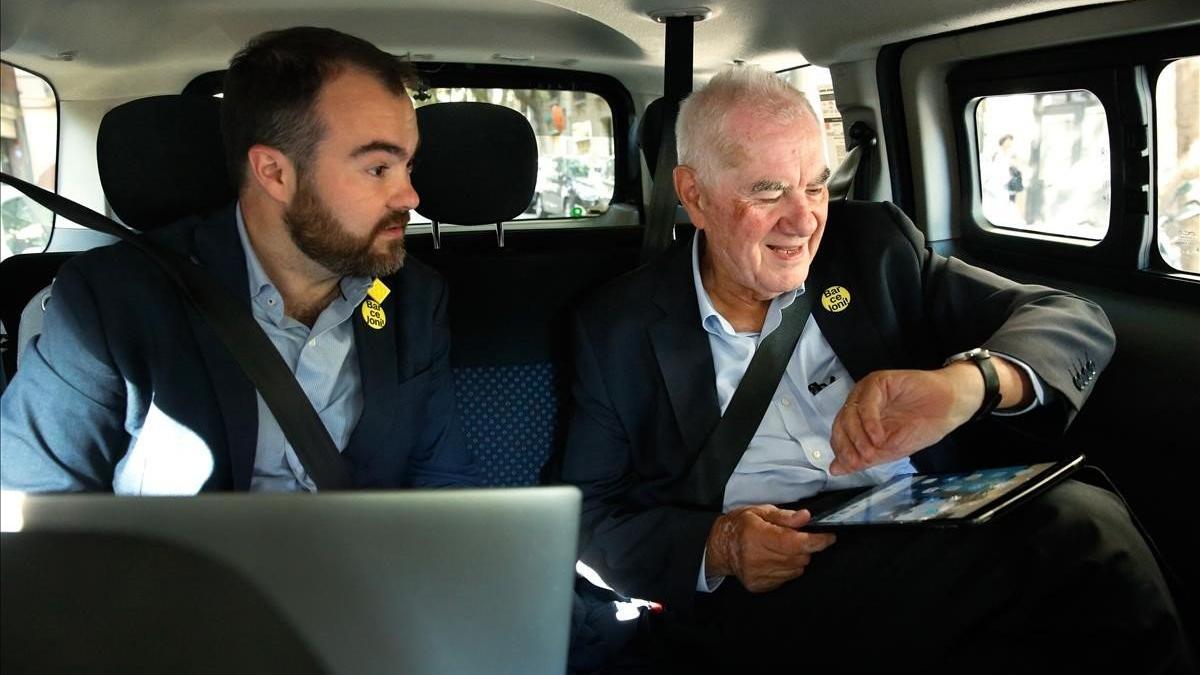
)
(1122, 72)
(58, 124)
(1151, 73)
(1125, 215)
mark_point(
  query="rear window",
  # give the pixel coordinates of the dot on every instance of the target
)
(28, 150)
(576, 149)
(1044, 163)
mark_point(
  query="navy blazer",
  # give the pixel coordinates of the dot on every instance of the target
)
(645, 392)
(124, 361)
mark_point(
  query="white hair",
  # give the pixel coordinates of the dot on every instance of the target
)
(700, 137)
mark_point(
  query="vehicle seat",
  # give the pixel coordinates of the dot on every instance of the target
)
(478, 166)
(160, 160)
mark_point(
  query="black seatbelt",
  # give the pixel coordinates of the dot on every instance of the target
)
(660, 221)
(728, 441)
(236, 329)
(850, 180)
(677, 84)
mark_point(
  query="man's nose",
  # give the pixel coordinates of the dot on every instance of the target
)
(404, 196)
(799, 219)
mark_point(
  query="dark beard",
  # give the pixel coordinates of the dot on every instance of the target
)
(319, 234)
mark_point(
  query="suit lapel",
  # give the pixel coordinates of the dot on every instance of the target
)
(852, 332)
(219, 250)
(682, 350)
(378, 367)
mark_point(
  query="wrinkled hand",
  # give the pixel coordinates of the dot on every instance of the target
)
(890, 414)
(761, 547)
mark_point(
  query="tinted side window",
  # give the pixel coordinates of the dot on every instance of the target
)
(29, 151)
(1177, 128)
(1044, 163)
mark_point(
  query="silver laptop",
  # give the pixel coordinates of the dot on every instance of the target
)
(447, 581)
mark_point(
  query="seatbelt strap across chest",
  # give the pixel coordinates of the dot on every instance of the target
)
(729, 439)
(237, 330)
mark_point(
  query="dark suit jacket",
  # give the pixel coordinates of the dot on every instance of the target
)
(645, 390)
(123, 355)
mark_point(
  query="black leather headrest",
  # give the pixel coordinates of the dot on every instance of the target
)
(161, 159)
(477, 164)
(650, 129)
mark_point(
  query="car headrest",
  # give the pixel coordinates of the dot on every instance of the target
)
(649, 133)
(161, 159)
(477, 164)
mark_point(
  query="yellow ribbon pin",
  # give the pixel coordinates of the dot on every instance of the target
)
(378, 291)
(372, 307)
(835, 298)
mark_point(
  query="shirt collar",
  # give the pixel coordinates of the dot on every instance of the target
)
(711, 319)
(263, 292)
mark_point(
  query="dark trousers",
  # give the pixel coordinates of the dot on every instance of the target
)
(1064, 583)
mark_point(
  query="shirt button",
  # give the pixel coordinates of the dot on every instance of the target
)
(270, 301)
(816, 454)
(785, 402)
(312, 342)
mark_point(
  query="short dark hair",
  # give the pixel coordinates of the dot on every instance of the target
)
(272, 84)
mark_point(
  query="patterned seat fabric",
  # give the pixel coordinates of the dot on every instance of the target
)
(513, 417)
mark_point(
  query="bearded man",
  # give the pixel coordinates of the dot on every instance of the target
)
(128, 389)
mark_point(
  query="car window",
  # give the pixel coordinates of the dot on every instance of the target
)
(576, 148)
(1177, 125)
(1044, 163)
(28, 150)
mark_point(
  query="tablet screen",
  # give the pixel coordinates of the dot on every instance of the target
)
(941, 498)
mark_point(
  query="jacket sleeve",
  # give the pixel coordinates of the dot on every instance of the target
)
(1065, 339)
(641, 548)
(442, 458)
(62, 419)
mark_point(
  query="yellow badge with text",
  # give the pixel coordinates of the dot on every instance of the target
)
(835, 298)
(378, 291)
(373, 314)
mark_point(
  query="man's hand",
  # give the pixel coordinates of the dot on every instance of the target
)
(761, 547)
(890, 414)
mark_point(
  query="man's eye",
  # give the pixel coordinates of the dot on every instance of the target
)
(378, 171)
(771, 196)
(816, 191)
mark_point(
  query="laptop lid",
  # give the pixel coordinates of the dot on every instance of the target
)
(446, 581)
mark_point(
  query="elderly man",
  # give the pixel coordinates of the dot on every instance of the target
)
(127, 390)
(884, 370)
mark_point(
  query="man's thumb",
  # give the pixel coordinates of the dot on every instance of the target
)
(788, 518)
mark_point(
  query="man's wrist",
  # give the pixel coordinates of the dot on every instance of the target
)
(1016, 388)
(967, 384)
(984, 365)
(715, 563)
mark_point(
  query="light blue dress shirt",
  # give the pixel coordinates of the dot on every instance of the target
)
(324, 361)
(789, 456)
(788, 459)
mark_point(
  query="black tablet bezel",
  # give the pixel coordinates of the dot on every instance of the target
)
(988, 511)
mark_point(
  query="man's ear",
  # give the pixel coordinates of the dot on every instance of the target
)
(687, 188)
(272, 171)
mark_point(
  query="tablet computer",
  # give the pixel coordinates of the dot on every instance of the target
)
(944, 500)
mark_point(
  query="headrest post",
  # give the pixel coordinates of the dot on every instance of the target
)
(437, 235)
(500, 234)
